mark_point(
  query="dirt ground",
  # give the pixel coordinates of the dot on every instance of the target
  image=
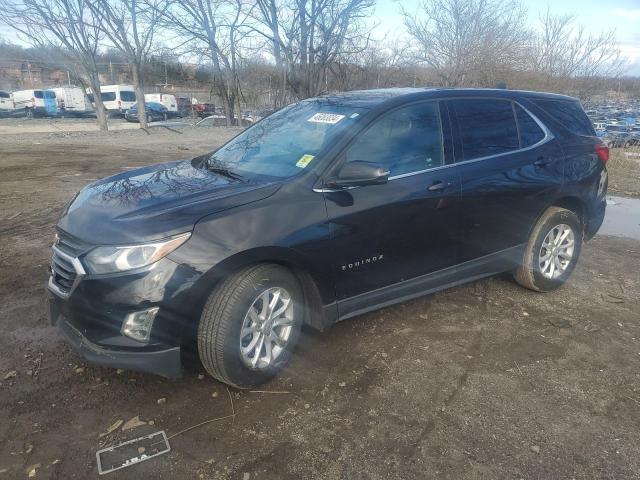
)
(482, 381)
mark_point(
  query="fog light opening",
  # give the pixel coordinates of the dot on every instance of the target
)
(137, 325)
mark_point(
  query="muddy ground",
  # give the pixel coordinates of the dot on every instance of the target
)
(483, 381)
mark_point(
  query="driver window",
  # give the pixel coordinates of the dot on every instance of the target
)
(405, 140)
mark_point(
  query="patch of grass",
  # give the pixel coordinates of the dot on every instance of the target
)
(624, 171)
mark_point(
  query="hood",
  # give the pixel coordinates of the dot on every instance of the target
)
(154, 202)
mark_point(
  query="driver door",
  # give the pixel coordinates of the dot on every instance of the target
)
(385, 239)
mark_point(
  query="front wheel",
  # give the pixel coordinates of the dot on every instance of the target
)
(552, 251)
(249, 325)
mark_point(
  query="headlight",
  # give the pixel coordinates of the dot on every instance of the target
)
(122, 258)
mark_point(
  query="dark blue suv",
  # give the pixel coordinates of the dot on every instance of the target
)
(326, 209)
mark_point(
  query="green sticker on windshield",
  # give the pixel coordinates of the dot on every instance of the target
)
(304, 161)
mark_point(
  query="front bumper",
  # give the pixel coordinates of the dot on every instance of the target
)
(91, 316)
(161, 361)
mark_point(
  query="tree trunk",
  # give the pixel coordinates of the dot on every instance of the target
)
(137, 84)
(101, 114)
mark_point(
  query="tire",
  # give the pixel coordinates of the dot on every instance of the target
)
(29, 113)
(531, 273)
(227, 310)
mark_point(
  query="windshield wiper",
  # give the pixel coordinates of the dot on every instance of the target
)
(225, 172)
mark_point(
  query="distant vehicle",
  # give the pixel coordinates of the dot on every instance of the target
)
(117, 99)
(72, 100)
(185, 106)
(599, 126)
(155, 113)
(6, 103)
(167, 100)
(36, 102)
(213, 121)
(205, 109)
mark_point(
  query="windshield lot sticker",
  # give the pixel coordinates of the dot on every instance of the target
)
(326, 118)
(304, 161)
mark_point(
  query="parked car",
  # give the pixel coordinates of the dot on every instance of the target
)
(155, 113)
(36, 102)
(117, 99)
(6, 104)
(167, 100)
(72, 101)
(212, 121)
(205, 109)
(327, 209)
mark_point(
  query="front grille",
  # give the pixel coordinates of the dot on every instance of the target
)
(62, 271)
(63, 253)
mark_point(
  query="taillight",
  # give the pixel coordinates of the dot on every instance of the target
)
(603, 152)
(33, 101)
(119, 104)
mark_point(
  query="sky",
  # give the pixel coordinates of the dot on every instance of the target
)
(594, 15)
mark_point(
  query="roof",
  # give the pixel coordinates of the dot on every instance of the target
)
(374, 97)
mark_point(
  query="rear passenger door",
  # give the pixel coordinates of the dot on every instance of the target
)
(511, 169)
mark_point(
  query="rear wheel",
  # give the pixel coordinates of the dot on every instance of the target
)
(29, 112)
(250, 324)
(552, 251)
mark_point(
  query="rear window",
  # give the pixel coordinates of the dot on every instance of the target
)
(4, 95)
(49, 94)
(108, 96)
(38, 94)
(569, 114)
(127, 96)
(530, 131)
(487, 127)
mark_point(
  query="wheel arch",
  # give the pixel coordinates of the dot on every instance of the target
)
(316, 284)
(576, 205)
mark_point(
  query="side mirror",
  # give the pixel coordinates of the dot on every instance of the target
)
(358, 174)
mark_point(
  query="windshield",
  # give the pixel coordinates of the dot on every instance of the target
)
(287, 142)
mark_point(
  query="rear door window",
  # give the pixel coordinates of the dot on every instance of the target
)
(128, 96)
(4, 95)
(38, 94)
(108, 96)
(569, 113)
(530, 131)
(405, 140)
(487, 127)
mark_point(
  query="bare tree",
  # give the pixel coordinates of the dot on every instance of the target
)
(468, 42)
(68, 24)
(215, 28)
(565, 53)
(130, 26)
(308, 36)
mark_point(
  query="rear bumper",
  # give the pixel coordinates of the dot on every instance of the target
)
(162, 361)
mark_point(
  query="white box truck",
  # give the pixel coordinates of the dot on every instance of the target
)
(167, 100)
(72, 101)
(117, 99)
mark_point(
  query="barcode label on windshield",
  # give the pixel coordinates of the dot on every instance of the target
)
(326, 118)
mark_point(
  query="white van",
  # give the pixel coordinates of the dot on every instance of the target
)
(6, 103)
(72, 100)
(167, 100)
(117, 99)
(36, 102)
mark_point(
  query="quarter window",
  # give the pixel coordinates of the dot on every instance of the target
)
(487, 127)
(406, 140)
(530, 131)
(569, 114)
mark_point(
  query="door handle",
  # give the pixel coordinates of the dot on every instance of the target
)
(542, 161)
(439, 185)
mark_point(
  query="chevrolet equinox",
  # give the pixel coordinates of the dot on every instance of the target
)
(329, 208)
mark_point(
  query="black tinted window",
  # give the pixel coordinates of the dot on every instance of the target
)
(108, 96)
(38, 94)
(569, 114)
(127, 96)
(530, 131)
(4, 95)
(406, 140)
(487, 127)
